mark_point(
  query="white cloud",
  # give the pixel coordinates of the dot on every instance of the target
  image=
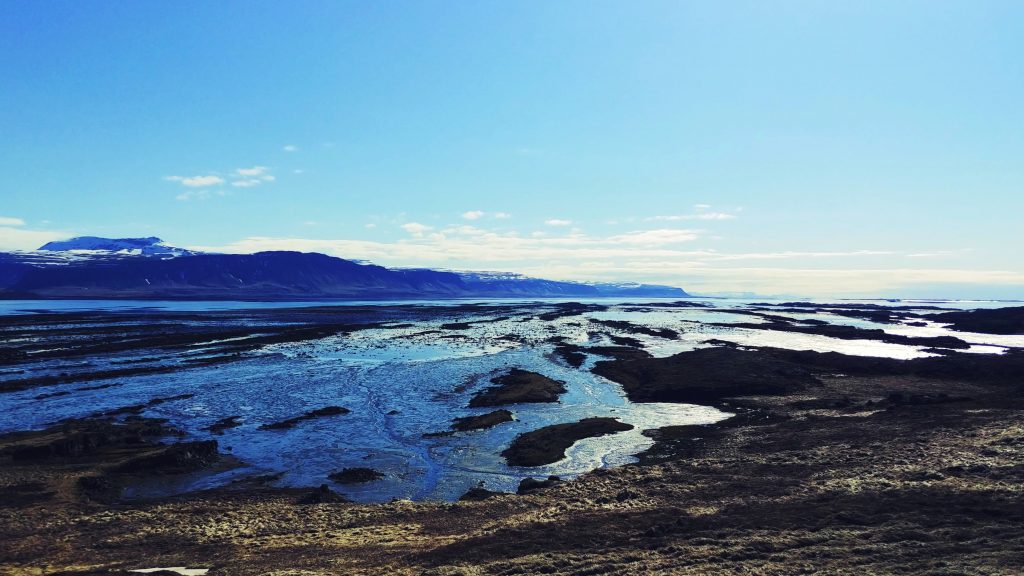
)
(938, 253)
(800, 254)
(557, 222)
(702, 206)
(370, 226)
(241, 178)
(290, 148)
(8, 221)
(657, 256)
(17, 238)
(249, 177)
(197, 181)
(252, 172)
(415, 228)
(192, 195)
(502, 215)
(201, 194)
(472, 214)
(655, 237)
(700, 216)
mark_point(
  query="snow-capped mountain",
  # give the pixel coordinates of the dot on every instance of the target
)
(151, 246)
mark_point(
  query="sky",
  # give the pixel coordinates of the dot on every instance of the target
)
(863, 149)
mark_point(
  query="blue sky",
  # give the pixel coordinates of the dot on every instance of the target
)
(872, 149)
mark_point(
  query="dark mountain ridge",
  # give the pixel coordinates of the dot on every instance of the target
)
(87, 268)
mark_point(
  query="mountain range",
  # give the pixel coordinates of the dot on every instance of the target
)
(147, 268)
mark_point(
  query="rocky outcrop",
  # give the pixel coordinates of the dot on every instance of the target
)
(355, 475)
(518, 386)
(482, 421)
(705, 376)
(548, 444)
(312, 414)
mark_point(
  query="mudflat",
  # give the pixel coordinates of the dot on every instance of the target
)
(832, 464)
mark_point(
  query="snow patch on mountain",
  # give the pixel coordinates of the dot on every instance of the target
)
(96, 246)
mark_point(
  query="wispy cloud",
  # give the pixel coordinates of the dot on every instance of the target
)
(250, 177)
(661, 255)
(239, 178)
(801, 254)
(200, 181)
(472, 214)
(698, 216)
(200, 194)
(290, 148)
(655, 237)
(938, 253)
(415, 228)
(252, 172)
(558, 222)
(9, 221)
(14, 236)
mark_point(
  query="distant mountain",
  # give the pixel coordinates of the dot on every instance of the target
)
(512, 284)
(146, 268)
(151, 246)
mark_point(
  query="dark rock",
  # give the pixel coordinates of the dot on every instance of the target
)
(323, 495)
(625, 341)
(564, 309)
(853, 333)
(706, 375)
(904, 399)
(632, 328)
(571, 355)
(478, 493)
(528, 485)
(223, 424)
(482, 421)
(101, 486)
(79, 438)
(548, 444)
(456, 326)
(25, 494)
(994, 321)
(318, 413)
(355, 475)
(619, 352)
(174, 459)
(518, 386)
(823, 403)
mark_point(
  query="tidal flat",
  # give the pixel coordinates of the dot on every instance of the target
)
(512, 437)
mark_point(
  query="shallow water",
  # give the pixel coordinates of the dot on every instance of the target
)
(403, 382)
